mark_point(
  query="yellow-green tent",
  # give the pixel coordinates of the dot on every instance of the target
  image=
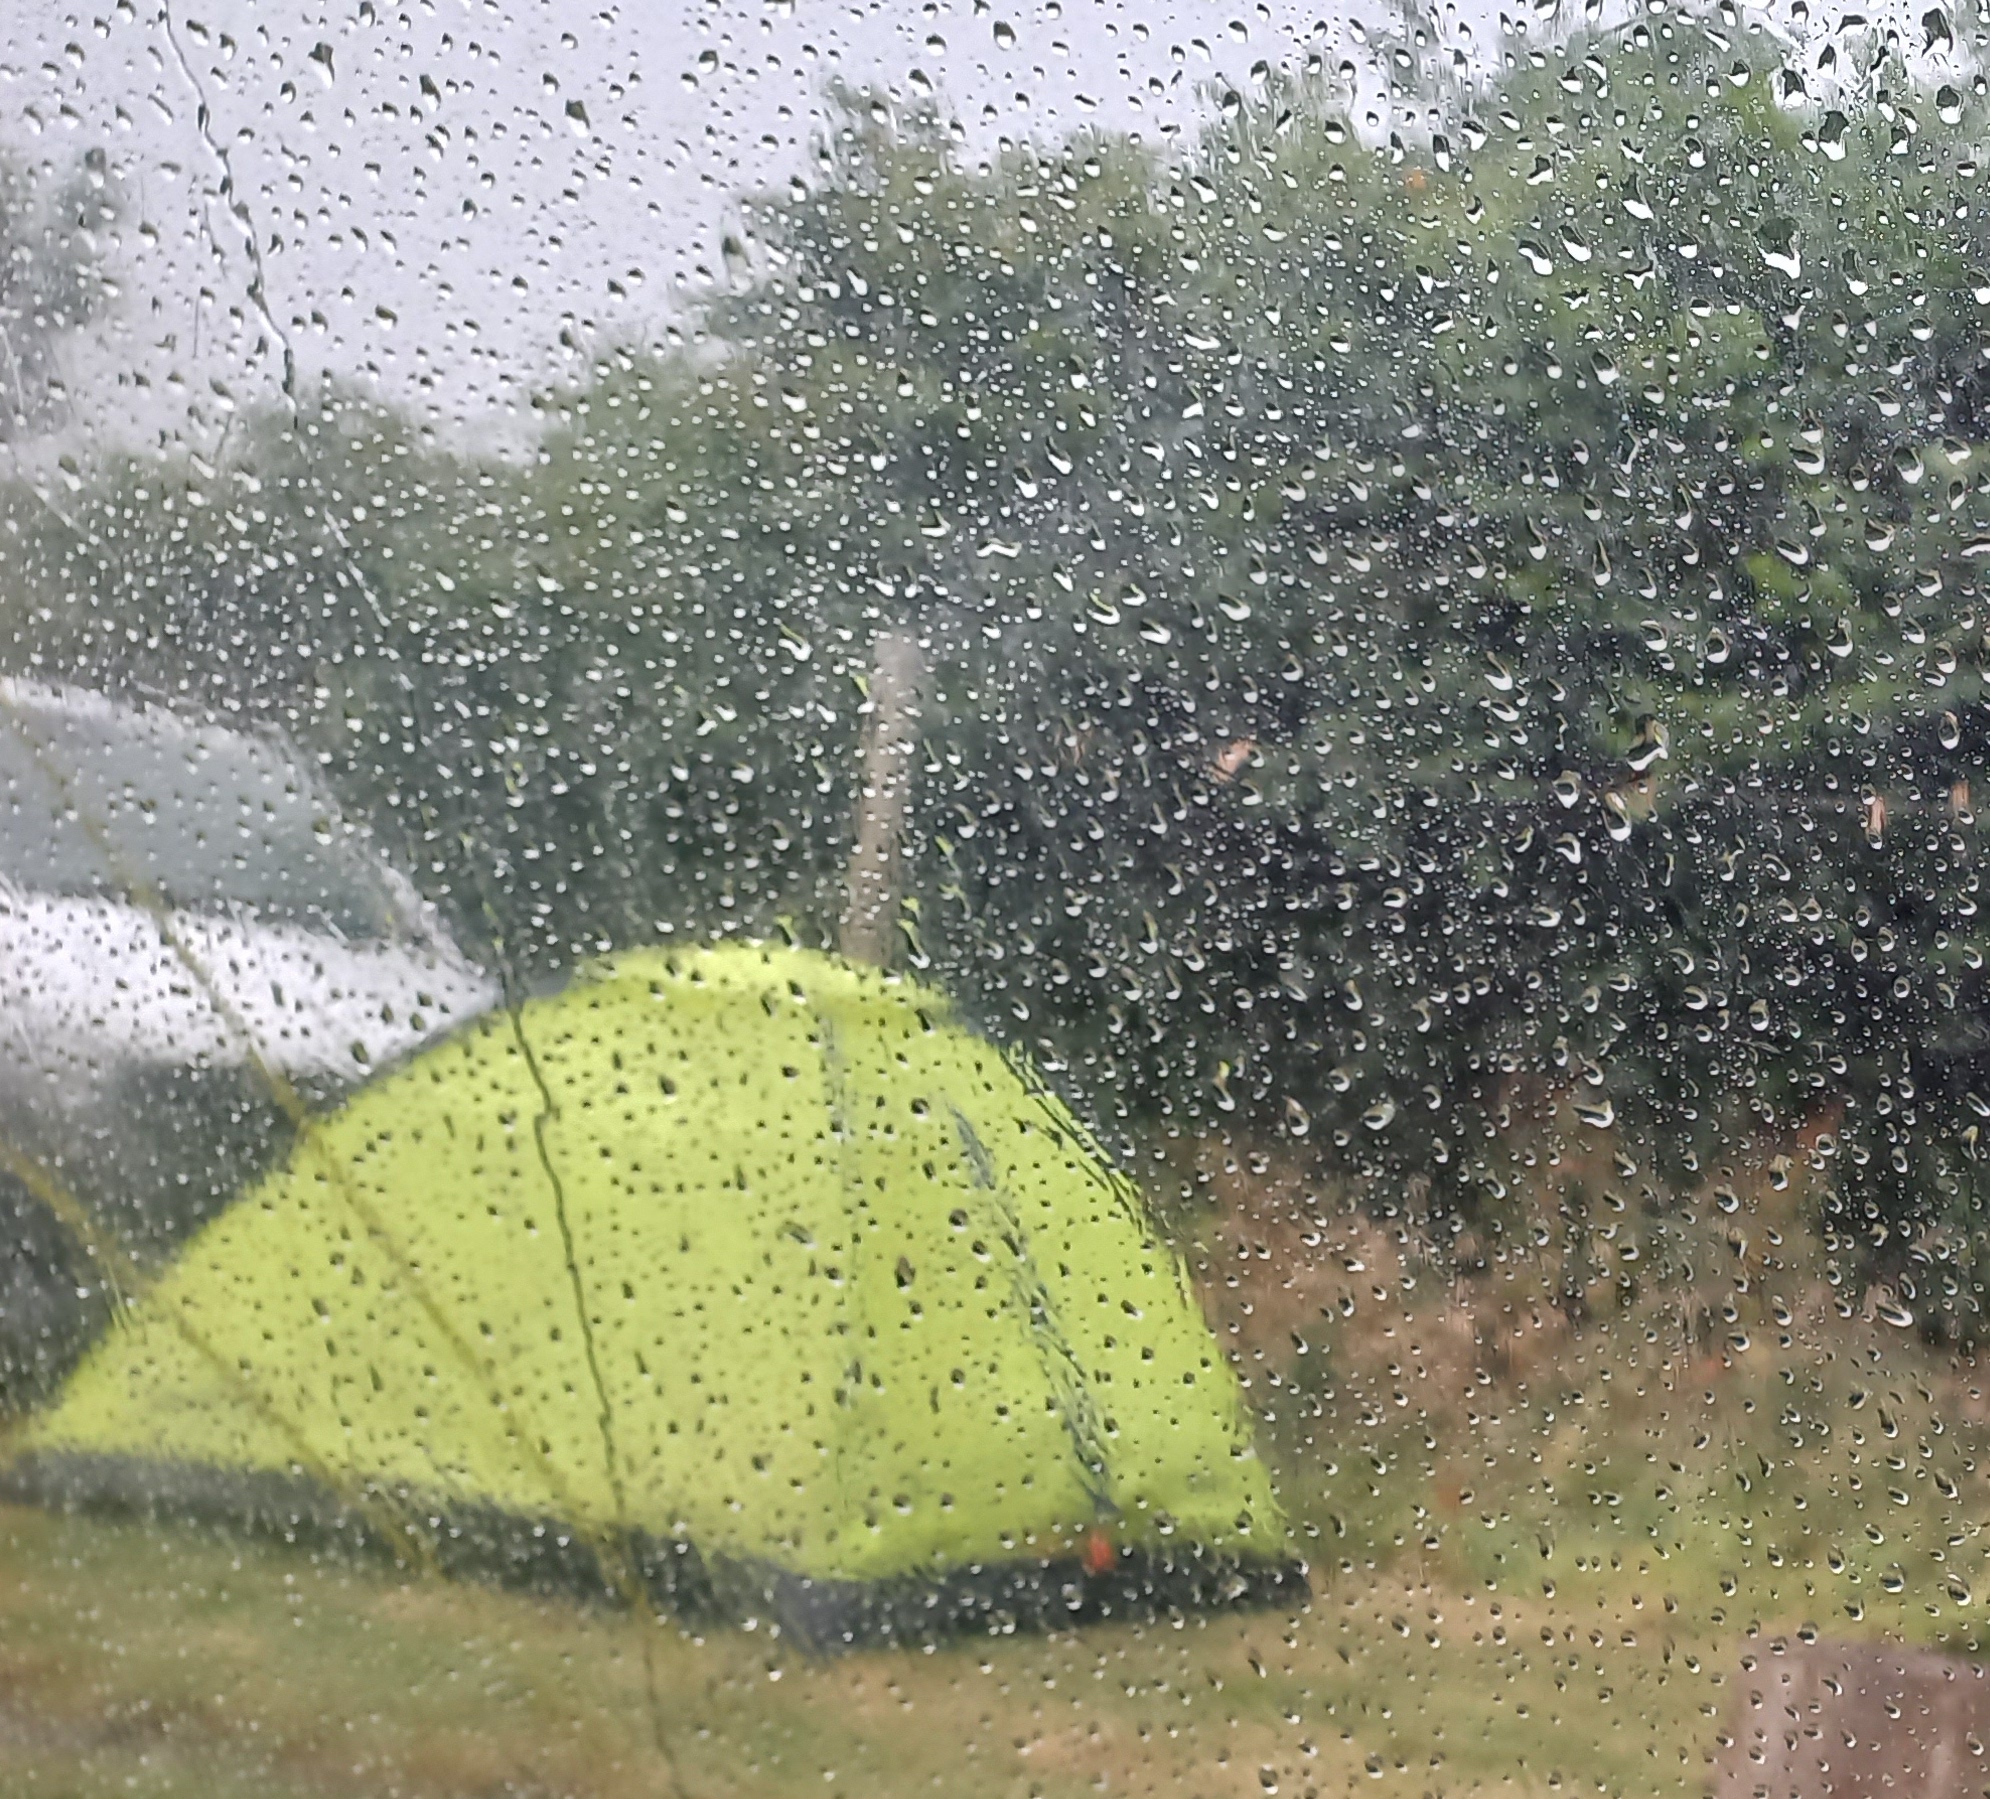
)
(741, 1273)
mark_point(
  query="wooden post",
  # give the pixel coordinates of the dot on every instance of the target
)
(897, 670)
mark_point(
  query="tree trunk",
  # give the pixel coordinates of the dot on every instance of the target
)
(871, 900)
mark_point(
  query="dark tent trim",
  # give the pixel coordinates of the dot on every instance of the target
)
(499, 1548)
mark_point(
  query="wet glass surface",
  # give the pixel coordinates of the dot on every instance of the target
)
(1009, 901)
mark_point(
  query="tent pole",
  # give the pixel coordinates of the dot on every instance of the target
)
(898, 669)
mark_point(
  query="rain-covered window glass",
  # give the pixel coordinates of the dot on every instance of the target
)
(1006, 897)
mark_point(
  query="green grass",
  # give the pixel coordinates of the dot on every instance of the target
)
(141, 1659)
(1571, 1629)
(1539, 1583)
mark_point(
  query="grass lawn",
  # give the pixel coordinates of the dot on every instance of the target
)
(1530, 1582)
(155, 1660)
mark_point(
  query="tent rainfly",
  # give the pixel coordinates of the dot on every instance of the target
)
(742, 1277)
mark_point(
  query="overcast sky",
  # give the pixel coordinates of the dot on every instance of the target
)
(435, 189)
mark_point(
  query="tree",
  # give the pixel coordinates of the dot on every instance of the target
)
(1455, 628)
(1439, 648)
(52, 280)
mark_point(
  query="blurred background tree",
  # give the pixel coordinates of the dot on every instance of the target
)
(1437, 644)
(53, 281)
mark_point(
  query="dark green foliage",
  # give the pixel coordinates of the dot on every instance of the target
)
(1433, 645)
